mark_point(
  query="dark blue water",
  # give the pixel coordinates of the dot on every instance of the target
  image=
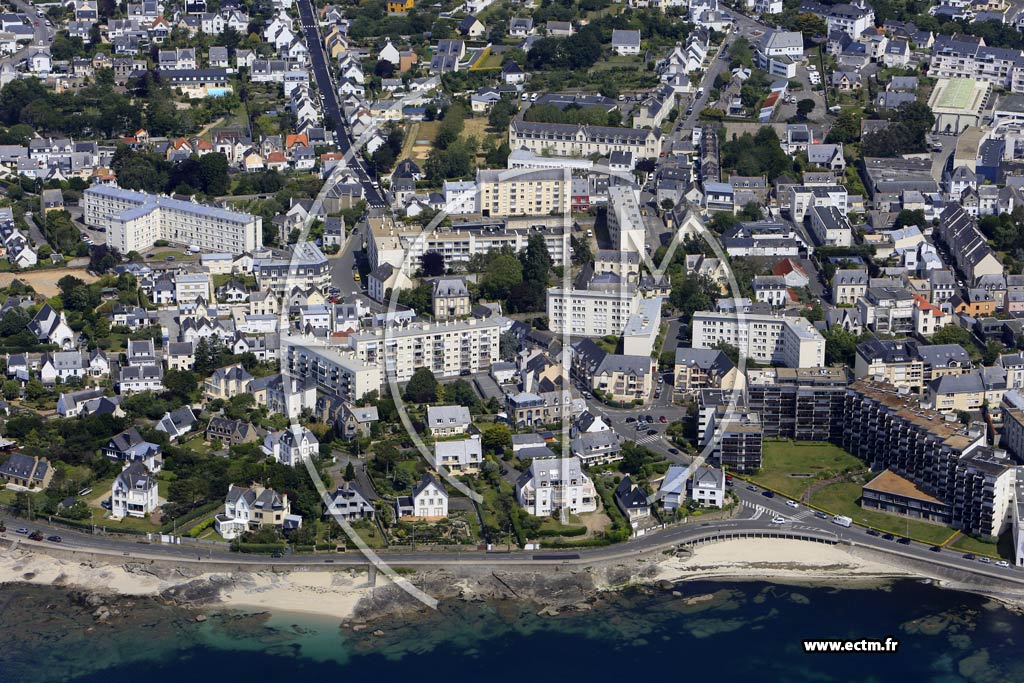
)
(712, 632)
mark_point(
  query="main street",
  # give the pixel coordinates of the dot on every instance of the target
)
(325, 82)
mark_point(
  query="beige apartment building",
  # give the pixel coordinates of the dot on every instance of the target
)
(502, 192)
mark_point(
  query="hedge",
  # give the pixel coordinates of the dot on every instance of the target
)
(568, 531)
(190, 517)
(259, 548)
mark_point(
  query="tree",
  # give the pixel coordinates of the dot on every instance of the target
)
(432, 264)
(840, 346)
(12, 389)
(954, 334)
(422, 387)
(180, 384)
(804, 107)
(503, 273)
(497, 437)
(461, 393)
(212, 174)
(846, 128)
(350, 472)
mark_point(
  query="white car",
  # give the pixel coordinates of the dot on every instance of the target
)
(792, 503)
(1002, 563)
(811, 67)
(779, 520)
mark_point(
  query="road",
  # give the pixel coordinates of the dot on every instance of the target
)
(325, 82)
(42, 35)
(757, 515)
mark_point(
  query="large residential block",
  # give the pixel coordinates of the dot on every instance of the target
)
(789, 341)
(570, 140)
(135, 220)
(447, 349)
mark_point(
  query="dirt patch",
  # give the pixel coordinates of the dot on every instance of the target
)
(595, 522)
(45, 281)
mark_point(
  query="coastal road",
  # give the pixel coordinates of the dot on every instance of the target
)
(756, 521)
(325, 82)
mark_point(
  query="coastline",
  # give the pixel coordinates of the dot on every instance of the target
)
(345, 595)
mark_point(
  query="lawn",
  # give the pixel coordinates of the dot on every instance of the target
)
(369, 533)
(7, 496)
(969, 544)
(126, 523)
(819, 460)
(841, 499)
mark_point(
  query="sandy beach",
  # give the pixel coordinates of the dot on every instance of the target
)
(334, 594)
(776, 559)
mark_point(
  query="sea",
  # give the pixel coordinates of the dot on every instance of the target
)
(701, 631)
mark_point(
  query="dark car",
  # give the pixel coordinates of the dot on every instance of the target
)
(652, 432)
(504, 471)
(53, 539)
(277, 555)
(872, 532)
(970, 556)
(36, 535)
(674, 451)
(768, 494)
(935, 549)
(904, 540)
(630, 419)
(689, 110)
(662, 419)
(820, 515)
(888, 537)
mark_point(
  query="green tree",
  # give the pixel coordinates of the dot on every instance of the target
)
(804, 107)
(350, 472)
(503, 273)
(12, 389)
(422, 387)
(213, 174)
(497, 437)
(954, 334)
(181, 384)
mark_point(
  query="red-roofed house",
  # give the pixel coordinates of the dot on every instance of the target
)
(929, 318)
(790, 270)
(277, 161)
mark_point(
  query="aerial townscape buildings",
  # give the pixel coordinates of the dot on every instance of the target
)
(346, 282)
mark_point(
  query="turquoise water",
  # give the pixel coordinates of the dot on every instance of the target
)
(713, 631)
(217, 92)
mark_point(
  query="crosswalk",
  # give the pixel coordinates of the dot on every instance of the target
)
(760, 510)
(647, 439)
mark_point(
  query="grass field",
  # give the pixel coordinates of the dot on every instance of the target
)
(968, 544)
(841, 499)
(126, 523)
(785, 458)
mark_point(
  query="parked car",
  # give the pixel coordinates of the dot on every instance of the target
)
(872, 532)
(53, 539)
(652, 432)
(904, 540)
(1002, 563)
(675, 451)
(751, 487)
(935, 549)
(662, 419)
(768, 494)
(969, 556)
(36, 535)
(888, 537)
(630, 419)
(779, 520)
(985, 560)
(21, 530)
(820, 515)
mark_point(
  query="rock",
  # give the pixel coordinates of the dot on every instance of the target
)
(666, 585)
(200, 618)
(101, 614)
(378, 633)
(94, 600)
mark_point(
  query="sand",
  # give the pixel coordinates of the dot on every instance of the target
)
(45, 281)
(334, 594)
(775, 559)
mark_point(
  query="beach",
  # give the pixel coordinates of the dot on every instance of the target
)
(335, 593)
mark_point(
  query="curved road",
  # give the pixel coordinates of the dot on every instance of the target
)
(759, 514)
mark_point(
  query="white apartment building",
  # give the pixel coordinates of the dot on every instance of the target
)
(448, 349)
(403, 246)
(803, 199)
(570, 140)
(591, 312)
(522, 193)
(791, 341)
(555, 483)
(134, 221)
(191, 286)
(625, 221)
(642, 327)
(335, 372)
(830, 227)
(464, 456)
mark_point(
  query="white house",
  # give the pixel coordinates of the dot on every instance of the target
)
(673, 487)
(708, 487)
(553, 483)
(134, 492)
(459, 457)
(291, 446)
(448, 420)
(428, 501)
(625, 42)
